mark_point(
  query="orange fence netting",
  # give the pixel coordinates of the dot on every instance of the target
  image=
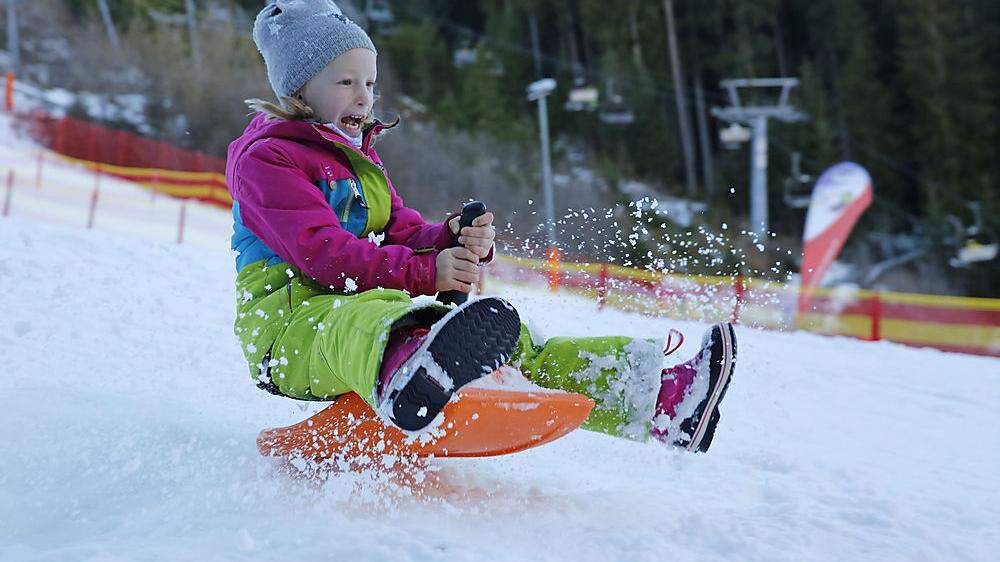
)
(155, 164)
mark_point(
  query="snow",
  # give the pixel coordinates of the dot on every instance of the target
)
(130, 422)
(127, 108)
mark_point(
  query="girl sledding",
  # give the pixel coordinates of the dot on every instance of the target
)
(329, 260)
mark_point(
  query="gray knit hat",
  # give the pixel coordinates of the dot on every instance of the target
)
(298, 38)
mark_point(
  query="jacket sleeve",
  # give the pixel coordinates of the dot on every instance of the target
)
(287, 212)
(408, 228)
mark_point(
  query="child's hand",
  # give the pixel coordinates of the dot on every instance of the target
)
(456, 269)
(478, 237)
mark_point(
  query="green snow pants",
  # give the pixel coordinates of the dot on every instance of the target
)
(309, 343)
(621, 375)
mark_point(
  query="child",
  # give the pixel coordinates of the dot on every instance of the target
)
(328, 258)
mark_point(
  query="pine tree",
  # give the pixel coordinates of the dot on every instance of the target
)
(944, 72)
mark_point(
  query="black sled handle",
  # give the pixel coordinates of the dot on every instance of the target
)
(470, 212)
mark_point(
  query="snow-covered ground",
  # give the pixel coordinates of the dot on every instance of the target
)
(130, 423)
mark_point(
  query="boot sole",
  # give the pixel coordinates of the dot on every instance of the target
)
(722, 364)
(472, 341)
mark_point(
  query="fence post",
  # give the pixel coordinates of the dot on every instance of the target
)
(94, 196)
(10, 193)
(553, 267)
(876, 304)
(38, 168)
(99, 144)
(739, 288)
(602, 287)
(8, 97)
(180, 222)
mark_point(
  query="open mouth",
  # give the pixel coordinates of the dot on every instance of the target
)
(352, 123)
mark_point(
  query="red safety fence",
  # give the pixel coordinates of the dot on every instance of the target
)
(961, 324)
(157, 164)
(84, 140)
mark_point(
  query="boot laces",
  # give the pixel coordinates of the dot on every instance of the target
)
(670, 347)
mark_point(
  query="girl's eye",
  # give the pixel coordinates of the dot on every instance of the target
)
(345, 82)
(371, 85)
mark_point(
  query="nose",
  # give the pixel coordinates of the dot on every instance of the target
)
(362, 97)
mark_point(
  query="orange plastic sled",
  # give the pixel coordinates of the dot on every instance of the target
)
(483, 422)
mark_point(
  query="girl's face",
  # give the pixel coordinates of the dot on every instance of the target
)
(344, 91)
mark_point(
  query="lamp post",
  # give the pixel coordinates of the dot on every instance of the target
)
(13, 43)
(538, 91)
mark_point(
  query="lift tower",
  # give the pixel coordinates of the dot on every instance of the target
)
(756, 116)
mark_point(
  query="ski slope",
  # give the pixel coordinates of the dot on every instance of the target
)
(130, 423)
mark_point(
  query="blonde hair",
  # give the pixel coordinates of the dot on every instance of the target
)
(290, 109)
(295, 108)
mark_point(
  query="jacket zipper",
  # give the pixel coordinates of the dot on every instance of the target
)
(352, 193)
(357, 193)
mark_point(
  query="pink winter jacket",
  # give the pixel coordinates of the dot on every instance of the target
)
(273, 171)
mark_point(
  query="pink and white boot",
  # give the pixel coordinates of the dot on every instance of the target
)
(687, 408)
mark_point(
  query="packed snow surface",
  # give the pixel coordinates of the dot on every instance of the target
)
(130, 421)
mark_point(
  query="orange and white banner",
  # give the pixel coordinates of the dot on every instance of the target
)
(841, 194)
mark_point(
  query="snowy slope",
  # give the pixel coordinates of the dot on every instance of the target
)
(130, 423)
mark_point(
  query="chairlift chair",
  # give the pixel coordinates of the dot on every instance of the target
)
(734, 135)
(617, 116)
(975, 243)
(798, 186)
(582, 97)
(615, 111)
